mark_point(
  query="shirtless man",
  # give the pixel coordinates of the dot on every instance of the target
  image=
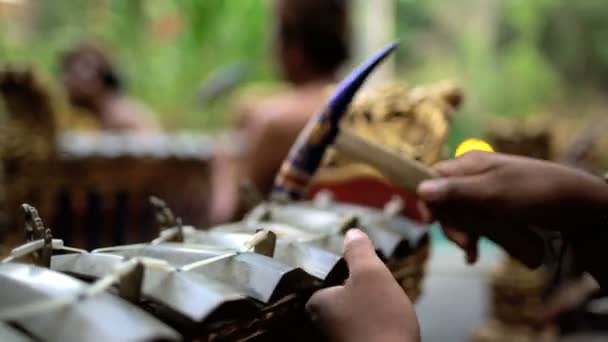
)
(311, 45)
(92, 84)
(370, 306)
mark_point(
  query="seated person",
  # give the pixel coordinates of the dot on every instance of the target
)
(92, 85)
(370, 306)
(312, 43)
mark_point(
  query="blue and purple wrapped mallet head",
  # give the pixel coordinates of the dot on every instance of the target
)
(306, 154)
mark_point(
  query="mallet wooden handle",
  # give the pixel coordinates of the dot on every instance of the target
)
(402, 172)
(522, 244)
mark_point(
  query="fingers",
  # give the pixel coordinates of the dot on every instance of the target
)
(433, 190)
(520, 242)
(467, 241)
(472, 189)
(461, 239)
(512, 235)
(324, 304)
(472, 250)
(470, 163)
(425, 212)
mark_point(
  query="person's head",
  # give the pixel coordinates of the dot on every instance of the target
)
(312, 38)
(87, 73)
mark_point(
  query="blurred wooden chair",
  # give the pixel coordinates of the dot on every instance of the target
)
(92, 188)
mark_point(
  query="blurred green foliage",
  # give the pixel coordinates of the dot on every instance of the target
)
(164, 49)
(514, 57)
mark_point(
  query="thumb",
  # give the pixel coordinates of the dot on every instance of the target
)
(359, 251)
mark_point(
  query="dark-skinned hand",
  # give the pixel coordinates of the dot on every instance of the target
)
(480, 191)
(370, 306)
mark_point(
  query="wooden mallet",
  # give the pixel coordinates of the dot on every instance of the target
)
(323, 130)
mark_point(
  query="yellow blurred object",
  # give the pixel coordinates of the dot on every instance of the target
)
(473, 144)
